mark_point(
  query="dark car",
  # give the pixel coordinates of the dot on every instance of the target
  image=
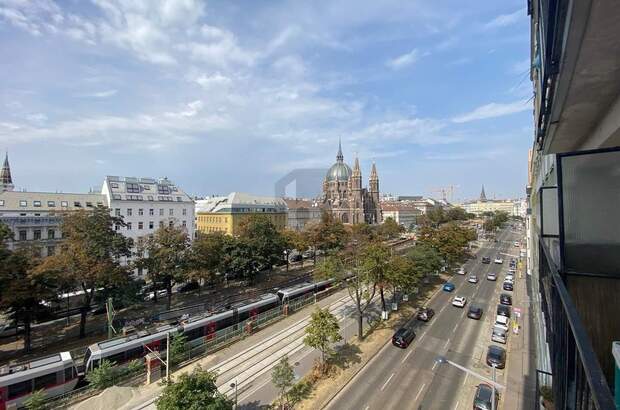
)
(503, 310)
(505, 299)
(425, 314)
(496, 356)
(482, 398)
(507, 286)
(188, 287)
(474, 312)
(403, 337)
(486, 259)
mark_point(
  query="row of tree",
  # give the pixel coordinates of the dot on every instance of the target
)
(494, 220)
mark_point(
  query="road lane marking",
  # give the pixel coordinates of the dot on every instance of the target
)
(366, 408)
(387, 381)
(447, 342)
(457, 405)
(419, 392)
(406, 357)
(435, 365)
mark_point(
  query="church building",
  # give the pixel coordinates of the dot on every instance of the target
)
(344, 197)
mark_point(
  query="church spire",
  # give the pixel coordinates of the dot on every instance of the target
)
(339, 157)
(483, 196)
(356, 167)
(373, 172)
(6, 181)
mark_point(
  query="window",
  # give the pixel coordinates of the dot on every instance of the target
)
(129, 211)
(1, 202)
(44, 381)
(23, 235)
(99, 203)
(171, 212)
(36, 204)
(151, 224)
(51, 250)
(179, 199)
(77, 204)
(117, 196)
(37, 235)
(89, 204)
(69, 374)
(114, 185)
(184, 223)
(117, 212)
(161, 224)
(64, 204)
(51, 234)
(184, 211)
(117, 227)
(163, 189)
(146, 187)
(161, 211)
(133, 188)
(171, 223)
(23, 203)
(140, 225)
(129, 226)
(51, 204)
(150, 197)
(20, 389)
(140, 211)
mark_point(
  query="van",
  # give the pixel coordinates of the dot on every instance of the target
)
(501, 321)
(499, 334)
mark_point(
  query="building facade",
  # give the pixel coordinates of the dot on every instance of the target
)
(302, 213)
(403, 213)
(344, 197)
(226, 213)
(483, 205)
(147, 204)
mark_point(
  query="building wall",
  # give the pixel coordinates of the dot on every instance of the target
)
(229, 223)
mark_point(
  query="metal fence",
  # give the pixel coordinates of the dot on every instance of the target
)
(578, 381)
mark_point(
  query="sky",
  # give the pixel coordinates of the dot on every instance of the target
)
(224, 96)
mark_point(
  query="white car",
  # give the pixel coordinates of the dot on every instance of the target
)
(516, 244)
(461, 271)
(510, 278)
(472, 279)
(499, 260)
(459, 301)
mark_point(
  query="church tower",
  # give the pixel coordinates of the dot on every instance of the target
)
(483, 196)
(6, 181)
(374, 193)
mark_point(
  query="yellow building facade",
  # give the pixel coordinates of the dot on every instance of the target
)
(227, 213)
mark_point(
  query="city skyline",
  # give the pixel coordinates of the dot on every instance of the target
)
(435, 95)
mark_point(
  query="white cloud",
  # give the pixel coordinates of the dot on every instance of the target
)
(36, 117)
(292, 66)
(404, 60)
(191, 110)
(493, 110)
(100, 94)
(212, 81)
(504, 20)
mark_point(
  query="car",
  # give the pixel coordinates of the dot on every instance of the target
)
(482, 398)
(459, 301)
(496, 357)
(517, 244)
(448, 287)
(472, 279)
(492, 276)
(425, 314)
(501, 321)
(486, 260)
(503, 310)
(509, 278)
(507, 286)
(505, 299)
(474, 312)
(499, 260)
(461, 271)
(188, 287)
(403, 337)
(499, 334)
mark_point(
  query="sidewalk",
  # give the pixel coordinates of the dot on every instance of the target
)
(521, 374)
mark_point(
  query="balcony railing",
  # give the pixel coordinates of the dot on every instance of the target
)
(578, 381)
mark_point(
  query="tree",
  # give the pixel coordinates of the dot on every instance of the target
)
(167, 257)
(322, 331)
(103, 376)
(450, 240)
(205, 256)
(36, 401)
(178, 348)
(374, 259)
(294, 240)
(424, 259)
(265, 242)
(239, 260)
(90, 255)
(390, 229)
(283, 377)
(22, 290)
(329, 235)
(194, 391)
(400, 273)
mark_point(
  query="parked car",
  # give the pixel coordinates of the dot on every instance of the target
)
(496, 356)
(474, 312)
(188, 287)
(492, 276)
(461, 271)
(472, 279)
(501, 321)
(499, 334)
(509, 278)
(448, 287)
(507, 286)
(517, 244)
(503, 310)
(505, 299)
(486, 260)
(294, 257)
(499, 260)
(459, 301)
(425, 314)
(403, 337)
(482, 398)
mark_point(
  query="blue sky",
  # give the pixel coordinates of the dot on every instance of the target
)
(227, 96)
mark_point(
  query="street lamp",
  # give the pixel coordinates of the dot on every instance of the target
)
(493, 383)
(234, 386)
(286, 257)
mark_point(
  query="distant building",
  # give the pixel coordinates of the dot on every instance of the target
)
(6, 180)
(302, 213)
(403, 213)
(482, 205)
(344, 197)
(226, 213)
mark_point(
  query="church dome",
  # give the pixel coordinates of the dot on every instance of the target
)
(339, 172)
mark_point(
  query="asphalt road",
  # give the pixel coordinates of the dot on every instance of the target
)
(410, 378)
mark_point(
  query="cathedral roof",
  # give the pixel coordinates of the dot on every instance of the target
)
(339, 171)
